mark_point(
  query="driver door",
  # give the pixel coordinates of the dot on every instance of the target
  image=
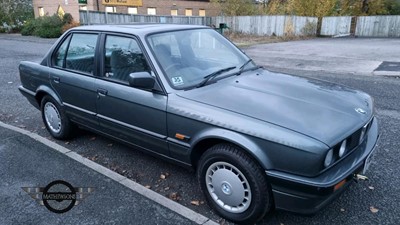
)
(130, 114)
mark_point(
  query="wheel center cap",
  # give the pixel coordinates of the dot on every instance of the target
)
(226, 188)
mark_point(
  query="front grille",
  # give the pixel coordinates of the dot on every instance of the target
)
(358, 137)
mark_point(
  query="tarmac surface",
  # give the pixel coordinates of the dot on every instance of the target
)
(115, 199)
(353, 56)
(351, 62)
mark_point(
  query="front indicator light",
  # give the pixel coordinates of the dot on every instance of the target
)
(328, 158)
(339, 185)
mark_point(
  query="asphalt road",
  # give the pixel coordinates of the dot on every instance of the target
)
(381, 191)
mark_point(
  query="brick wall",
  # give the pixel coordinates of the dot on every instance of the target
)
(163, 7)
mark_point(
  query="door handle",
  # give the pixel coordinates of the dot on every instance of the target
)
(102, 92)
(56, 79)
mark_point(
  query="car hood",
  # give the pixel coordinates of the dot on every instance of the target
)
(324, 111)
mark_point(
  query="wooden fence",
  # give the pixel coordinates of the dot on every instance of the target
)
(366, 26)
(94, 17)
(270, 25)
(336, 26)
(378, 26)
(363, 26)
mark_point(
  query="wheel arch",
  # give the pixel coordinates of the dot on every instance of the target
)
(43, 91)
(211, 137)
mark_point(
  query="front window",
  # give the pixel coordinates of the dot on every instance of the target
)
(151, 11)
(132, 10)
(174, 12)
(122, 57)
(202, 12)
(41, 11)
(188, 12)
(111, 9)
(188, 56)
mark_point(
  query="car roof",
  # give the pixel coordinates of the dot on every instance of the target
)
(138, 28)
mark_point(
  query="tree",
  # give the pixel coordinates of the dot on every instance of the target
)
(277, 7)
(236, 7)
(318, 8)
(376, 7)
(362, 7)
(393, 7)
(15, 12)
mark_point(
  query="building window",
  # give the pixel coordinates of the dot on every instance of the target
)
(151, 11)
(132, 10)
(111, 9)
(41, 11)
(202, 12)
(174, 12)
(188, 12)
(83, 7)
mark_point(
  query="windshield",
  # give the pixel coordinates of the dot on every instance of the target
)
(189, 57)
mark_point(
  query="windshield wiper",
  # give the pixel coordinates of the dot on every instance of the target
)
(243, 66)
(211, 76)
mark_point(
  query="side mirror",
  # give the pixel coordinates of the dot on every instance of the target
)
(141, 80)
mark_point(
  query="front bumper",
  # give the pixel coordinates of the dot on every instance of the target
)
(307, 195)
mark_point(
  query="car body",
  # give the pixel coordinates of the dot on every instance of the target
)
(258, 139)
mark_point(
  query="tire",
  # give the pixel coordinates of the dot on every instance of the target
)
(234, 184)
(54, 118)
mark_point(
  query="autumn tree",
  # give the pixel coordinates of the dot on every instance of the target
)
(393, 7)
(236, 7)
(13, 12)
(361, 7)
(277, 7)
(316, 8)
(320, 8)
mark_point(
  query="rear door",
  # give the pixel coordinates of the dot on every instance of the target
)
(133, 115)
(72, 75)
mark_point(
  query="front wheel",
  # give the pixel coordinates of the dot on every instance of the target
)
(234, 184)
(54, 118)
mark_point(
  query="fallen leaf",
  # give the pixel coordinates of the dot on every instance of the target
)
(371, 187)
(361, 177)
(174, 196)
(93, 158)
(373, 209)
(162, 176)
(195, 202)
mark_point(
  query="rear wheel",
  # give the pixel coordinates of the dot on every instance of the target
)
(234, 184)
(54, 118)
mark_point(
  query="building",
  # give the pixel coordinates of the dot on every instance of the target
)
(145, 7)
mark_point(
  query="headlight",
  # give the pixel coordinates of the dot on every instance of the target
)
(328, 158)
(342, 149)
